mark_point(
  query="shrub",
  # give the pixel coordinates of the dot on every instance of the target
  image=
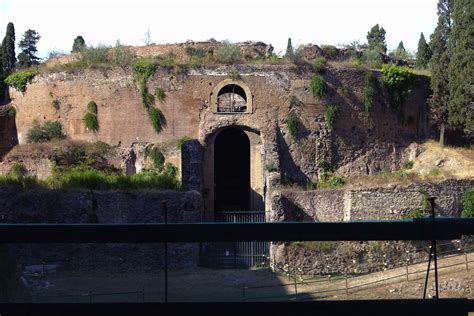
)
(233, 73)
(416, 213)
(160, 94)
(181, 141)
(343, 90)
(42, 133)
(156, 118)
(368, 92)
(195, 52)
(92, 107)
(154, 154)
(398, 81)
(319, 65)
(19, 80)
(143, 69)
(11, 111)
(318, 86)
(408, 164)
(91, 122)
(292, 122)
(372, 58)
(329, 51)
(123, 55)
(468, 205)
(55, 104)
(95, 55)
(228, 53)
(330, 115)
(18, 170)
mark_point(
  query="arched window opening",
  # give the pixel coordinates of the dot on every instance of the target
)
(231, 99)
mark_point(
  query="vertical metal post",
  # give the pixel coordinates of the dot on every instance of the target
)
(347, 287)
(432, 203)
(428, 271)
(164, 206)
(407, 268)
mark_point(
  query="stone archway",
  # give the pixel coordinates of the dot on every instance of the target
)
(232, 165)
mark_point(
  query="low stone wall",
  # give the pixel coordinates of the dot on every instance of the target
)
(367, 204)
(85, 206)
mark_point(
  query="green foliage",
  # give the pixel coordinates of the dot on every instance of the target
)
(423, 54)
(440, 62)
(122, 55)
(227, 53)
(271, 167)
(468, 205)
(55, 104)
(91, 122)
(400, 53)
(319, 65)
(43, 133)
(157, 119)
(79, 45)
(8, 49)
(398, 81)
(372, 57)
(90, 118)
(233, 73)
(92, 107)
(181, 141)
(27, 44)
(100, 180)
(292, 122)
(318, 86)
(343, 90)
(376, 39)
(160, 94)
(329, 51)
(195, 52)
(94, 56)
(368, 92)
(416, 213)
(290, 52)
(327, 177)
(19, 80)
(11, 111)
(461, 65)
(18, 170)
(408, 164)
(330, 115)
(425, 203)
(154, 154)
(434, 172)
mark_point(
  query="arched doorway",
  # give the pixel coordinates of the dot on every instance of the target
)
(232, 171)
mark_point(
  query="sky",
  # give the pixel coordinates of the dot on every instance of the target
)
(271, 21)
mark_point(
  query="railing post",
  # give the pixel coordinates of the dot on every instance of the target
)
(347, 287)
(467, 262)
(164, 206)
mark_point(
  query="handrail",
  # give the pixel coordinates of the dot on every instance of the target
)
(418, 229)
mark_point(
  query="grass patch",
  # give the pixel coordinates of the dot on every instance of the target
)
(468, 205)
(91, 122)
(154, 154)
(319, 65)
(160, 94)
(55, 104)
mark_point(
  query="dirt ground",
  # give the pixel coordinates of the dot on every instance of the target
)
(203, 284)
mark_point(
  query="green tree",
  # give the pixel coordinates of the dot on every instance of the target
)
(439, 63)
(290, 52)
(376, 39)
(8, 48)
(423, 54)
(79, 45)
(461, 65)
(28, 57)
(400, 52)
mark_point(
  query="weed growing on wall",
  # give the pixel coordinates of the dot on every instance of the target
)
(319, 65)
(368, 92)
(228, 53)
(157, 119)
(292, 122)
(19, 80)
(181, 141)
(55, 104)
(318, 86)
(90, 118)
(154, 154)
(160, 94)
(468, 205)
(330, 115)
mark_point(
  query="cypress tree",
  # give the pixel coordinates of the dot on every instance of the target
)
(423, 54)
(290, 52)
(28, 57)
(8, 48)
(400, 52)
(461, 66)
(79, 45)
(439, 65)
(376, 39)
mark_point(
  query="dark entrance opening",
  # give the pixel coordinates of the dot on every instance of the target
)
(231, 171)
